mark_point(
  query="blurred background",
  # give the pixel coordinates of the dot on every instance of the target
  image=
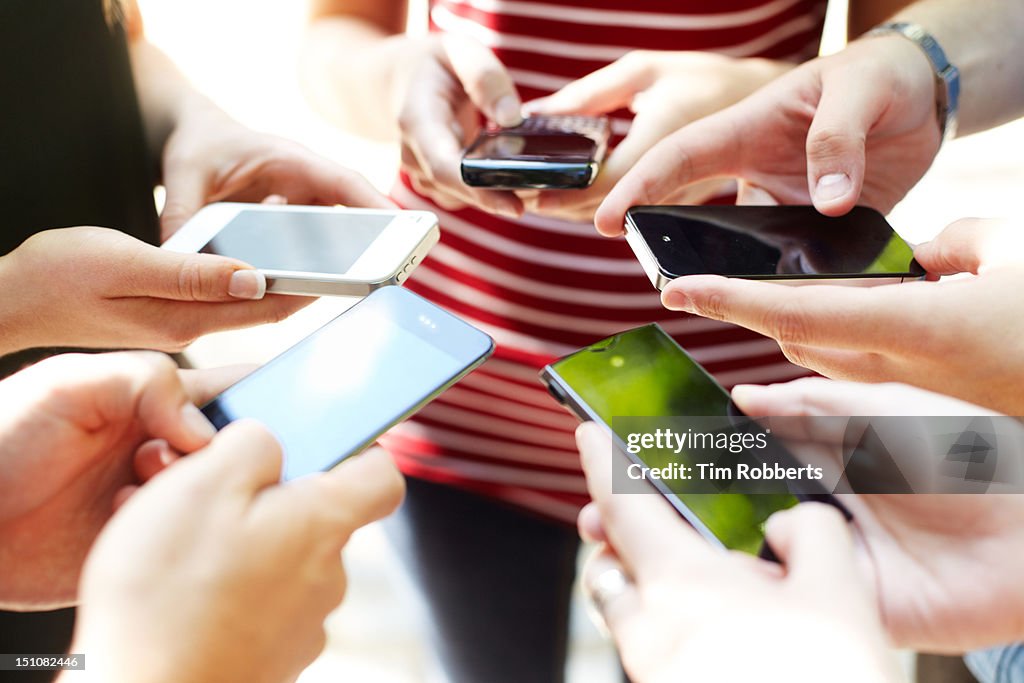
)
(243, 53)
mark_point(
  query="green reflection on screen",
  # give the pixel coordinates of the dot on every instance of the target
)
(643, 372)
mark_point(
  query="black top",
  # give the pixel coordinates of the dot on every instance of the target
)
(72, 145)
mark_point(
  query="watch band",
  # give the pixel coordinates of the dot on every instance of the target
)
(948, 95)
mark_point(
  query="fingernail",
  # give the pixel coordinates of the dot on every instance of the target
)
(674, 300)
(507, 112)
(196, 422)
(535, 106)
(832, 186)
(166, 456)
(247, 284)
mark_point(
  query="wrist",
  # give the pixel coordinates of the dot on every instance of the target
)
(945, 76)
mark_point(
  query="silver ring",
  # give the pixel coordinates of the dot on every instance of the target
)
(609, 584)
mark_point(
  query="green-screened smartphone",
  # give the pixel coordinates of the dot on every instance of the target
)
(644, 373)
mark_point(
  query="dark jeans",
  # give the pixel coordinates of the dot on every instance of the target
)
(497, 582)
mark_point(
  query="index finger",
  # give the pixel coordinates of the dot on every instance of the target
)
(203, 385)
(707, 148)
(833, 316)
(484, 78)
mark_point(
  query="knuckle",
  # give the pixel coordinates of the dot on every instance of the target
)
(787, 324)
(277, 313)
(711, 305)
(190, 280)
(795, 354)
(831, 142)
(180, 335)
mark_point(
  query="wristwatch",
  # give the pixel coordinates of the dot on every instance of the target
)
(947, 99)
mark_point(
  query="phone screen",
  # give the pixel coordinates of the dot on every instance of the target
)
(772, 241)
(299, 241)
(338, 390)
(643, 372)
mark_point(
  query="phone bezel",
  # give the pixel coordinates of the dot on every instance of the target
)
(661, 276)
(403, 243)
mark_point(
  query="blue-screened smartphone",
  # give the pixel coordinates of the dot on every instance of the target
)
(334, 393)
(643, 372)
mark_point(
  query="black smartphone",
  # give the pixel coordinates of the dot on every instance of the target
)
(644, 373)
(542, 153)
(339, 389)
(784, 243)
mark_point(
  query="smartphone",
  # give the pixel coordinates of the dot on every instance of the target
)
(782, 243)
(313, 250)
(335, 392)
(542, 153)
(644, 372)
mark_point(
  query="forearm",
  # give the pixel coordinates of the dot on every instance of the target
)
(13, 321)
(355, 74)
(864, 15)
(165, 95)
(983, 42)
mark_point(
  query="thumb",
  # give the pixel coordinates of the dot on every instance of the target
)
(484, 78)
(969, 245)
(815, 544)
(846, 111)
(162, 274)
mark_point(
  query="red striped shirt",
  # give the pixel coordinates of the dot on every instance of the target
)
(543, 287)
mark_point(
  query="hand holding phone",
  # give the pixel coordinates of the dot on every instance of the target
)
(719, 616)
(313, 250)
(542, 153)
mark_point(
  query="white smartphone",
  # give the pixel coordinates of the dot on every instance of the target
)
(313, 250)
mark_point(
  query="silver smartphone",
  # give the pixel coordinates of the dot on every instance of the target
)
(314, 250)
(786, 244)
(338, 390)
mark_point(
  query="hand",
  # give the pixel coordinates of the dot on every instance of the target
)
(946, 567)
(456, 81)
(68, 441)
(858, 127)
(216, 572)
(99, 288)
(665, 91)
(211, 158)
(692, 612)
(949, 336)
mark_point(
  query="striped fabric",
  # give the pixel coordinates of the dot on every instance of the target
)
(543, 287)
